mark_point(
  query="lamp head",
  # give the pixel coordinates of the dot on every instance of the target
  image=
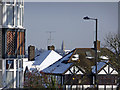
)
(86, 18)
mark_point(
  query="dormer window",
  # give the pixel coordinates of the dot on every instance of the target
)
(9, 64)
(75, 57)
(89, 55)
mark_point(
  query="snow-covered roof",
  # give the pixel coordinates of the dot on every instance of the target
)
(27, 63)
(104, 57)
(46, 59)
(59, 67)
(99, 66)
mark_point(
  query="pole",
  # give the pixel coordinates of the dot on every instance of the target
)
(96, 58)
(96, 77)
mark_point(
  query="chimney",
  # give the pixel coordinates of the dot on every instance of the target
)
(98, 45)
(31, 53)
(51, 47)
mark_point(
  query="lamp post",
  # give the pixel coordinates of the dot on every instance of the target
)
(96, 20)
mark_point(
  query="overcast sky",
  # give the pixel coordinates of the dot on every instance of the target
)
(66, 20)
(71, 0)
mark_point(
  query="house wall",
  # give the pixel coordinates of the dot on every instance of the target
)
(12, 38)
(12, 43)
(78, 79)
(107, 79)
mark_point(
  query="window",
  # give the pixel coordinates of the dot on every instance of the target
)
(20, 63)
(10, 78)
(9, 64)
(20, 16)
(16, 17)
(16, 64)
(22, 2)
(0, 14)
(10, 15)
(18, 1)
(88, 54)
(20, 78)
(10, 1)
(0, 64)
(0, 79)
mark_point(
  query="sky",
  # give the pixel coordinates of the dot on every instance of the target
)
(71, 0)
(65, 22)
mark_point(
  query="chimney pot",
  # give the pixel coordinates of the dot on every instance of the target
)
(51, 47)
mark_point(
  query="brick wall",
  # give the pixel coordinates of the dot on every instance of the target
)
(20, 43)
(11, 42)
(15, 42)
(31, 53)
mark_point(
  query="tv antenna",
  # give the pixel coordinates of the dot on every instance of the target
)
(49, 41)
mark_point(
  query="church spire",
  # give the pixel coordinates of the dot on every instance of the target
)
(63, 46)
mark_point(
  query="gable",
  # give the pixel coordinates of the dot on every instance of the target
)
(74, 70)
(107, 70)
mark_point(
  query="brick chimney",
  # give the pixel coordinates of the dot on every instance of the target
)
(31, 53)
(51, 47)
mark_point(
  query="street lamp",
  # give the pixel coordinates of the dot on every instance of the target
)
(96, 20)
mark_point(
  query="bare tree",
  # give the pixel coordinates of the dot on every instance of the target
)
(112, 42)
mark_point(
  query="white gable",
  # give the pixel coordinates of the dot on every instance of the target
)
(108, 70)
(111, 69)
(72, 69)
(114, 72)
(68, 72)
(79, 72)
(102, 72)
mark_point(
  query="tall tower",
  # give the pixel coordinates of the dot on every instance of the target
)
(12, 43)
(63, 46)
